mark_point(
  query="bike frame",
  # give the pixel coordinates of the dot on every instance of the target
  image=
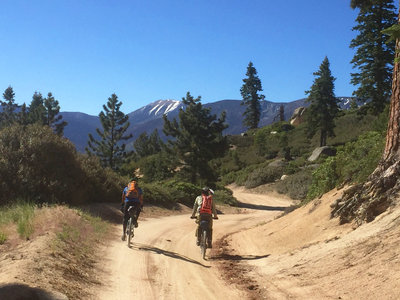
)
(130, 225)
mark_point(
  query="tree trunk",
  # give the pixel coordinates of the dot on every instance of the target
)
(363, 202)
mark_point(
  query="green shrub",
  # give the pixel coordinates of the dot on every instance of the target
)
(323, 179)
(296, 185)
(263, 175)
(39, 165)
(224, 196)
(357, 160)
(354, 162)
(184, 192)
(159, 194)
(156, 167)
(100, 184)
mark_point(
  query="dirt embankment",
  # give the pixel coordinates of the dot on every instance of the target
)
(308, 255)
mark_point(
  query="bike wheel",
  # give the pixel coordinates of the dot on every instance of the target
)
(203, 244)
(130, 231)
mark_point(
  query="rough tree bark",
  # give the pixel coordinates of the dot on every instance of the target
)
(363, 202)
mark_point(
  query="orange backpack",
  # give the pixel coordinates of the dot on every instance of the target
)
(206, 205)
(132, 190)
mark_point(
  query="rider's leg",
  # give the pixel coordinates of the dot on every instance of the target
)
(210, 229)
(138, 210)
(125, 221)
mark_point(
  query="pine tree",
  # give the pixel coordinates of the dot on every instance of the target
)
(52, 117)
(22, 116)
(37, 111)
(197, 139)
(141, 145)
(323, 104)
(110, 148)
(251, 97)
(281, 114)
(374, 56)
(363, 202)
(8, 114)
(148, 145)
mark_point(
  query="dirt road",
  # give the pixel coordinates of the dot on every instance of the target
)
(165, 263)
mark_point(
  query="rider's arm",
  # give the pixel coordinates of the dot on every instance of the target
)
(141, 199)
(195, 207)
(214, 210)
(123, 196)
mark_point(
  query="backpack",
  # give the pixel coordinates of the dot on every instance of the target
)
(206, 205)
(132, 190)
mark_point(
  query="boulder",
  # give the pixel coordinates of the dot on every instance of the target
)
(326, 150)
(278, 163)
(298, 116)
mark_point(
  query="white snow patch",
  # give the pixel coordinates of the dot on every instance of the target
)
(174, 105)
(157, 107)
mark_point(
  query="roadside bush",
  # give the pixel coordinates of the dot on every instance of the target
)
(224, 196)
(184, 192)
(100, 184)
(156, 167)
(38, 165)
(354, 162)
(159, 194)
(263, 175)
(296, 185)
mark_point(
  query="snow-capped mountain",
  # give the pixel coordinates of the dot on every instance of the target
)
(155, 110)
(149, 117)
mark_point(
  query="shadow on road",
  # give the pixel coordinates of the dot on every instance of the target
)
(175, 255)
(261, 207)
(225, 256)
(18, 291)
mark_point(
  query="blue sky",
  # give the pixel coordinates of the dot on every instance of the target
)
(83, 51)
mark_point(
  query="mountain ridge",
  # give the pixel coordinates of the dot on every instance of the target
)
(150, 117)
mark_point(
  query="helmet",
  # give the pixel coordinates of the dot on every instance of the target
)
(205, 190)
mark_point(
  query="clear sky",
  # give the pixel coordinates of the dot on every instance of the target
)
(84, 50)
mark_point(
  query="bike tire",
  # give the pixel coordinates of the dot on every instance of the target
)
(203, 244)
(130, 231)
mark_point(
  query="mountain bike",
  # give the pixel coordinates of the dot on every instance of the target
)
(204, 233)
(130, 226)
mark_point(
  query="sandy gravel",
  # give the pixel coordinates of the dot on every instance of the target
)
(165, 263)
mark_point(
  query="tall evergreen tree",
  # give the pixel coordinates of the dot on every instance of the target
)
(197, 139)
(8, 114)
(363, 202)
(374, 56)
(37, 111)
(22, 116)
(323, 104)
(110, 148)
(52, 117)
(251, 97)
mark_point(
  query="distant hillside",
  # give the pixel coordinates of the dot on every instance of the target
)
(149, 117)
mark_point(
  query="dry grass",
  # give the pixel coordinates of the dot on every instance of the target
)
(61, 253)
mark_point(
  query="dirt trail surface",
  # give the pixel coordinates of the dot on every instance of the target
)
(165, 263)
(302, 255)
(256, 255)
